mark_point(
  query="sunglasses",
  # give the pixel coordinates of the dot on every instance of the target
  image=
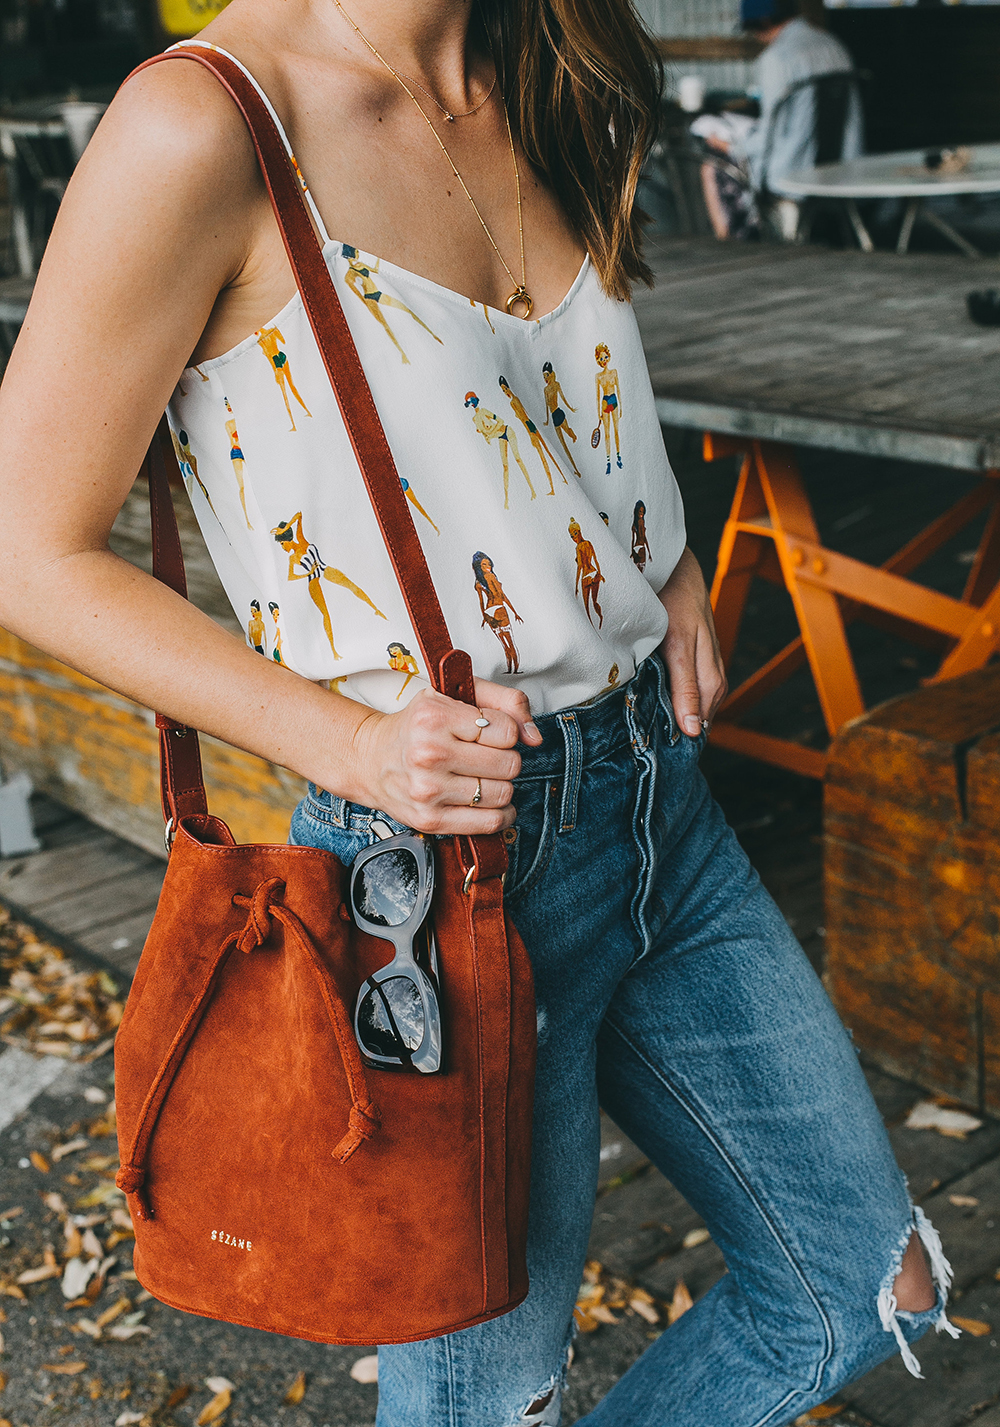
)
(397, 1017)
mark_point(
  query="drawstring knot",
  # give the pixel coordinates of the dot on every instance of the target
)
(258, 927)
(363, 1122)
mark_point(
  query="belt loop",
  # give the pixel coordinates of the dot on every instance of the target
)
(573, 744)
(338, 810)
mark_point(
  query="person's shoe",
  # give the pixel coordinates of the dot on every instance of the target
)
(619, 461)
(608, 471)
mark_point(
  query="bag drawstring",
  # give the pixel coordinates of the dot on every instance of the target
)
(364, 1120)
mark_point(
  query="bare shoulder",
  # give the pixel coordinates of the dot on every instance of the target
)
(174, 125)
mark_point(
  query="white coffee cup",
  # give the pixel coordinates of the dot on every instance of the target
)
(691, 92)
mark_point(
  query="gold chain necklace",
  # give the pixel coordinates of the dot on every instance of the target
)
(449, 116)
(519, 297)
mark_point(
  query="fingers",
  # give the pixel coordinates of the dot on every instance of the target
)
(512, 702)
(711, 674)
(684, 692)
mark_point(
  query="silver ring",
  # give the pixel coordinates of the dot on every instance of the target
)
(478, 794)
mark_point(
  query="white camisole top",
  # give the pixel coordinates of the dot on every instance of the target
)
(531, 457)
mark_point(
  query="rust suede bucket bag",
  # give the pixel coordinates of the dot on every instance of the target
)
(273, 1179)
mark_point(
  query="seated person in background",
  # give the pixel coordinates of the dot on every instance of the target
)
(784, 138)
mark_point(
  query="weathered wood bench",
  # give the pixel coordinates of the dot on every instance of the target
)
(912, 869)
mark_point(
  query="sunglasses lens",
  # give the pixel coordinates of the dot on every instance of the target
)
(386, 887)
(390, 1013)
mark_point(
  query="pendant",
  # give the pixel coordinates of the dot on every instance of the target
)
(520, 295)
(449, 118)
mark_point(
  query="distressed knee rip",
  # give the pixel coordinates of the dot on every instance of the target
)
(889, 1311)
(546, 1407)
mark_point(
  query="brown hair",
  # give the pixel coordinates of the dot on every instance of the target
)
(583, 83)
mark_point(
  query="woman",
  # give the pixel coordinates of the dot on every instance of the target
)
(667, 983)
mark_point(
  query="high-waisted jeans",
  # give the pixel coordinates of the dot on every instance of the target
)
(671, 991)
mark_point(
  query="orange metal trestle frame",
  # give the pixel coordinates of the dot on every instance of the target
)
(771, 534)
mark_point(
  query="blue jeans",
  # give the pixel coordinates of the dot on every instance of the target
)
(671, 991)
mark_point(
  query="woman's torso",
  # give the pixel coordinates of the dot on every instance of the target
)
(543, 592)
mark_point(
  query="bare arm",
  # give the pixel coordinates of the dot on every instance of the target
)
(165, 214)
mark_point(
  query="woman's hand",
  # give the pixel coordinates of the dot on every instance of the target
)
(420, 765)
(691, 650)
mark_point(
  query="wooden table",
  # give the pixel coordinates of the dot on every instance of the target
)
(765, 348)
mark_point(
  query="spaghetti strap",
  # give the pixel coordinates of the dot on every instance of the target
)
(207, 45)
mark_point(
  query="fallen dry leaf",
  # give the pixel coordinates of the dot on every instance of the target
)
(3, 1344)
(95, 1389)
(219, 1384)
(213, 1410)
(3, 1381)
(366, 1369)
(77, 1275)
(85, 1325)
(98, 1163)
(11, 1290)
(694, 1237)
(105, 1191)
(975, 1326)
(128, 1419)
(297, 1391)
(65, 1369)
(12, 1213)
(54, 1201)
(94, 1095)
(122, 1332)
(71, 1147)
(42, 994)
(180, 1394)
(74, 1240)
(585, 1322)
(928, 1115)
(644, 1309)
(39, 1275)
(92, 1245)
(602, 1313)
(115, 1311)
(680, 1303)
(963, 1201)
(39, 1161)
(592, 1271)
(823, 1410)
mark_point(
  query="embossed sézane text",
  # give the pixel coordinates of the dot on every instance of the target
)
(219, 1237)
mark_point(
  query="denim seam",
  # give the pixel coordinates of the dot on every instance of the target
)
(450, 1365)
(645, 787)
(755, 1199)
(543, 855)
(573, 747)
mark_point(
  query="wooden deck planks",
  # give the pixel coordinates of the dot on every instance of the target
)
(852, 351)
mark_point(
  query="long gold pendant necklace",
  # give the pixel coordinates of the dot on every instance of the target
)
(519, 297)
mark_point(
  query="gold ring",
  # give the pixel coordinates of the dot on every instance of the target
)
(478, 794)
(481, 722)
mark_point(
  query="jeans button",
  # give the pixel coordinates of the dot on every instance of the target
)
(509, 835)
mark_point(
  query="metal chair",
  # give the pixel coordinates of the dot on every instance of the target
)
(835, 95)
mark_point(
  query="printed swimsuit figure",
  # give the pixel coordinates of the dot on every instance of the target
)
(408, 492)
(493, 605)
(608, 401)
(276, 616)
(553, 394)
(359, 279)
(402, 660)
(588, 573)
(269, 340)
(488, 424)
(188, 465)
(306, 563)
(640, 541)
(255, 629)
(236, 456)
(534, 435)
